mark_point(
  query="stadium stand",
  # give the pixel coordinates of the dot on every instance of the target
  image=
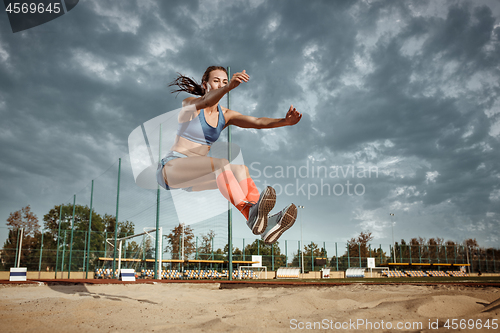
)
(392, 274)
(245, 274)
(195, 274)
(416, 273)
(437, 273)
(170, 274)
(457, 274)
(104, 273)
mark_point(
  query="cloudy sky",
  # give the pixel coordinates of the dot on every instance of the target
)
(408, 90)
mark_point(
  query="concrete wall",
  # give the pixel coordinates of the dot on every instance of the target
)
(48, 275)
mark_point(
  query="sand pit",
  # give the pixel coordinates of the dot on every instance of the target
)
(206, 308)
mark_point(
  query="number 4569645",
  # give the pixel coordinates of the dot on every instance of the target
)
(33, 8)
(463, 324)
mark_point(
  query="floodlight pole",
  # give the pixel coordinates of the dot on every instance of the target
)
(301, 242)
(393, 244)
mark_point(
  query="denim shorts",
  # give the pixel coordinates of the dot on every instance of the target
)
(172, 155)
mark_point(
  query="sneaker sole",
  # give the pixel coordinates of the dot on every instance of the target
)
(286, 223)
(265, 206)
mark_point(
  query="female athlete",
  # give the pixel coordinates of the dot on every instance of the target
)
(188, 166)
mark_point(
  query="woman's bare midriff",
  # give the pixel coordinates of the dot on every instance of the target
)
(189, 148)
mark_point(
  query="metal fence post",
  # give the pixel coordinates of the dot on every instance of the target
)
(71, 241)
(312, 258)
(325, 251)
(272, 257)
(40, 261)
(158, 252)
(400, 253)
(90, 230)
(58, 238)
(229, 211)
(336, 256)
(299, 255)
(84, 250)
(348, 257)
(64, 250)
(380, 253)
(286, 254)
(409, 247)
(359, 254)
(116, 218)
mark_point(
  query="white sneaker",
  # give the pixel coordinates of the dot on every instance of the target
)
(257, 215)
(279, 223)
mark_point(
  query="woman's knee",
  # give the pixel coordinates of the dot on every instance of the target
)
(241, 170)
(220, 163)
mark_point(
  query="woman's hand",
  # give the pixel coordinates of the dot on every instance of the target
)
(237, 79)
(292, 116)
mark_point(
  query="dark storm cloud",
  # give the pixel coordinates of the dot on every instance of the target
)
(449, 133)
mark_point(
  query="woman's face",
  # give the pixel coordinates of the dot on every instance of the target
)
(216, 79)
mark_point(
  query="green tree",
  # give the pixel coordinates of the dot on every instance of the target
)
(101, 229)
(205, 249)
(310, 250)
(25, 219)
(31, 240)
(258, 247)
(175, 242)
(358, 248)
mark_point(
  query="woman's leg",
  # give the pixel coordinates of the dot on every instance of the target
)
(260, 205)
(242, 176)
(246, 183)
(192, 171)
(233, 181)
(201, 173)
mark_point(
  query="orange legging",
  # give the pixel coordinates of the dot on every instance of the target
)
(238, 193)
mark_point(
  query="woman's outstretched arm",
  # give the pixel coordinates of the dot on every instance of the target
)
(237, 119)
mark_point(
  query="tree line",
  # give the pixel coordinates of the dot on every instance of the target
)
(61, 217)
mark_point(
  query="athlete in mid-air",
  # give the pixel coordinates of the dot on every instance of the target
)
(188, 166)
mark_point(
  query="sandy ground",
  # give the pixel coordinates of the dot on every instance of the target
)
(206, 308)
